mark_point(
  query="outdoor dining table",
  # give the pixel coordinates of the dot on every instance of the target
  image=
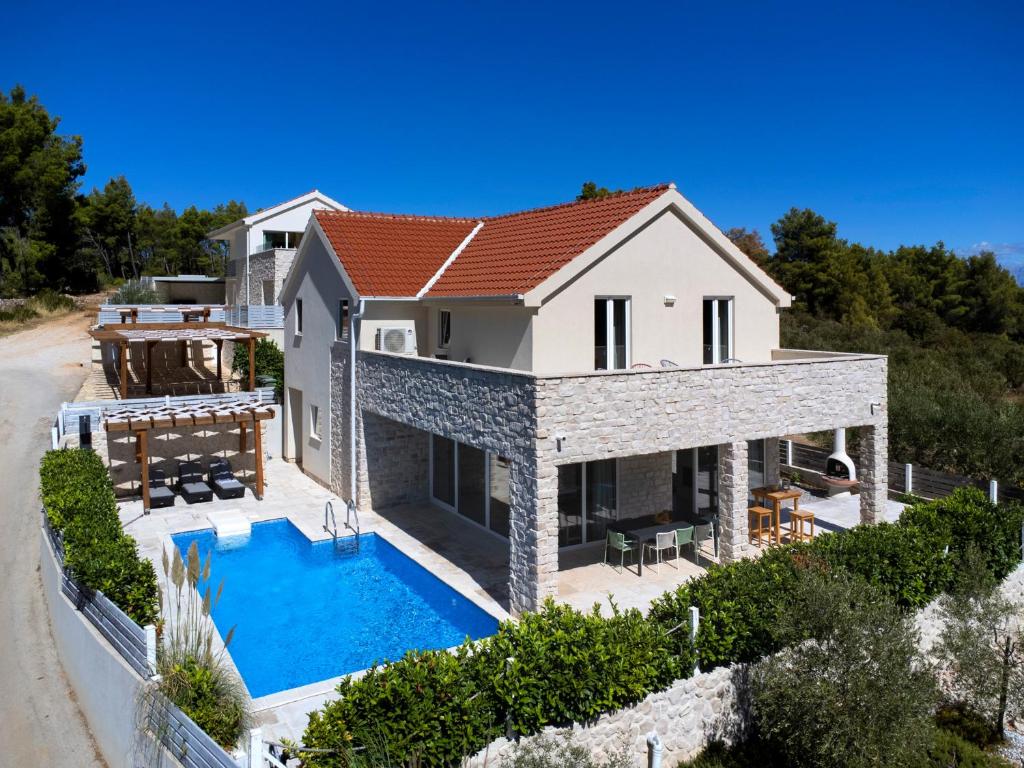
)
(776, 496)
(645, 535)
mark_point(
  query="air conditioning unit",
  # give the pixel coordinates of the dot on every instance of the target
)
(397, 341)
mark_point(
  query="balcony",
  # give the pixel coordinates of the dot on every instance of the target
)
(607, 414)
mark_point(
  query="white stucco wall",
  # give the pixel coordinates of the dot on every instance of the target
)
(488, 334)
(308, 357)
(665, 258)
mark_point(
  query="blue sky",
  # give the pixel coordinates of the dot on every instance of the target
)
(901, 121)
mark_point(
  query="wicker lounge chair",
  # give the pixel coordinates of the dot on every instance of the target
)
(223, 480)
(190, 483)
(160, 494)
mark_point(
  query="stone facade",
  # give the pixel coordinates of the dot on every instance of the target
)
(641, 416)
(733, 486)
(268, 265)
(873, 471)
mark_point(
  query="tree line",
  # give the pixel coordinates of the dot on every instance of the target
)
(54, 236)
(953, 329)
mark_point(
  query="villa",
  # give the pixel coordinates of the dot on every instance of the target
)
(553, 373)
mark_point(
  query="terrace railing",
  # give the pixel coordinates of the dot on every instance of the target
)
(911, 479)
(256, 316)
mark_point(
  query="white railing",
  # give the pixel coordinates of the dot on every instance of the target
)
(256, 316)
(156, 313)
(69, 414)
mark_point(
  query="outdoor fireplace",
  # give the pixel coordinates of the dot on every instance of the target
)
(840, 473)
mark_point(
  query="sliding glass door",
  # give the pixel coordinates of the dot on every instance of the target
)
(587, 501)
(471, 482)
(611, 334)
(695, 483)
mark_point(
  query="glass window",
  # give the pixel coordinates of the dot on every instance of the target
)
(601, 498)
(570, 504)
(275, 240)
(444, 328)
(472, 493)
(314, 421)
(611, 334)
(298, 315)
(443, 475)
(499, 490)
(755, 464)
(343, 320)
(707, 481)
(717, 335)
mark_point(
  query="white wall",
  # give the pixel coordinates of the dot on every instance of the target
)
(487, 334)
(665, 258)
(308, 356)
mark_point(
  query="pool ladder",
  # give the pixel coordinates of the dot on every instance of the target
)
(331, 524)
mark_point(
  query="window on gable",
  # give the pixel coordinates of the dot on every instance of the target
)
(343, 320)
(444, 328)
(298, 315)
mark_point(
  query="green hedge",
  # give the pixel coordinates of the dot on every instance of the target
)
(567, 666)
(79, 502)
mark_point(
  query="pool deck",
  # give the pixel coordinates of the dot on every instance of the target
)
(470, 559)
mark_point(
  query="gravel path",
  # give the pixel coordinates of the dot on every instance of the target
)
(40, 723)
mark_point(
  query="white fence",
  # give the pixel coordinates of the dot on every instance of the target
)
(155, 313)
(256, 316)
(123, 706)
(70, 414)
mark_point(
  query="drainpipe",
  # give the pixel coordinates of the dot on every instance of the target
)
(654, 748)
(353, 342)
(248, 247)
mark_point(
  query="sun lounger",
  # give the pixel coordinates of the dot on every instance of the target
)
(223, 480)
(190, 483)
(160, 494)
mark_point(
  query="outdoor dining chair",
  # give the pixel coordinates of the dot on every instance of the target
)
(685, 537)
(618, 542)
(665, 541)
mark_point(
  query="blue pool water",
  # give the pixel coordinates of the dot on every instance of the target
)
(307, 612)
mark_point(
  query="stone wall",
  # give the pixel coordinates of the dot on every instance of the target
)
(269, 265)
(686, 716)
(645, 484)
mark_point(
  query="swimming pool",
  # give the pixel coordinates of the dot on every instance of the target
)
(307, 612)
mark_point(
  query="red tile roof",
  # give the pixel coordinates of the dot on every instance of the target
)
(388, 255)
(514, 253)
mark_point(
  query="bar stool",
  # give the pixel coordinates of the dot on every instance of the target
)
(763, 517)
(801, 525)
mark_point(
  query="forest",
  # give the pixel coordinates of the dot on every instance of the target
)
(953, 329)
(53, 236)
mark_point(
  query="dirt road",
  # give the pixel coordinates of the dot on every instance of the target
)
(40, 724)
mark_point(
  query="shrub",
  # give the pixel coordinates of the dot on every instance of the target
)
(269, 362)
(962, 721)
(423, 707)
(51, 301)
(79, 502)
(948, 750)
(134, 292)
(851, 689)
(906, 562)
(195, 675)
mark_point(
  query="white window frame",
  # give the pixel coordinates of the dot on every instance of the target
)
(444, 322)
(314, 421)
(716, 333)
(609, 313)
(298, 317)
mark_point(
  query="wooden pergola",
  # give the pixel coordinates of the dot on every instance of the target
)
(140, 421)
(152, 334)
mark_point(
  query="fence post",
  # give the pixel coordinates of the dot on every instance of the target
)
(254, 750)
(694, 623)
(993, 491)
(150, 631)
(789, 453)
(908, 478)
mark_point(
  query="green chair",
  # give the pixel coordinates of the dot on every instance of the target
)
(618, 541)
(684, 536)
